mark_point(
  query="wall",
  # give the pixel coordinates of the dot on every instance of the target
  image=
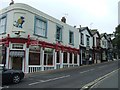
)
(14, 11)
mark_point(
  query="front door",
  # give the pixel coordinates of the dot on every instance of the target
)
(17, 63)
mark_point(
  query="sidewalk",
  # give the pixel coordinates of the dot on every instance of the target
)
(59, 70)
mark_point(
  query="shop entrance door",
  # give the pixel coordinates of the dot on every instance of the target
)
(17, 63)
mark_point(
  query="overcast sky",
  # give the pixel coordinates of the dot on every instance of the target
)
(96, 14)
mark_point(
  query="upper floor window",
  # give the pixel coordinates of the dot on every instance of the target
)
(71, 37)
(102, 42)
(97, 42)
(88, 40)
(3, 24)
(40, 27)
(82, 38)
(59, 33)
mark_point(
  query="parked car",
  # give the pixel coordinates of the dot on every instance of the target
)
(10, 75)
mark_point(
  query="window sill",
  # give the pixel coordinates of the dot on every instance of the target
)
(40, 36)
(59, 41)
(71, 44)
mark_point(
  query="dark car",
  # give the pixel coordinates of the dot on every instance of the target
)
(10, 75)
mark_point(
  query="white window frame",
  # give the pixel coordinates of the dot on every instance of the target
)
(60, 38)
(72, 38)
(3, 24)
(41, 28)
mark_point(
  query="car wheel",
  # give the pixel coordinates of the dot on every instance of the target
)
(16, 79)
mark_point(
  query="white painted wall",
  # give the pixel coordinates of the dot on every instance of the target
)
(16, 10)
(105, 41)
(85, 32)
(95, 38)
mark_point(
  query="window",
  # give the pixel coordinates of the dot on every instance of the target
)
(40, 27)
(71, 38)
(3, 24)
(82, 38)
(59, 33)
(34, 58)
(48, 56)
(88, 40)
(75, 58)
(102, 42)
(58, 57)
(65, 57)
(70, 58)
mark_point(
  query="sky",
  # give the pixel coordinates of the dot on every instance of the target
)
(96, 14)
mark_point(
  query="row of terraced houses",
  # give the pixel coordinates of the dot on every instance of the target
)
(33, 41)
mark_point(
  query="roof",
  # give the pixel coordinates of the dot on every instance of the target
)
(81, 29)
(94, 31)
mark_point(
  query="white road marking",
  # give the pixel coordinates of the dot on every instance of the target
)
(92, 69)
(93, 83)
(42, 81)
(1, 87)
(102, 66)
(87, 71)
(4, 87)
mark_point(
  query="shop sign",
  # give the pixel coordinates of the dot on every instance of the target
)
(17, 53)
(17, 46)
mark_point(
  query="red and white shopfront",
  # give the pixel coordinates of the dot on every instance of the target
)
(34, 55)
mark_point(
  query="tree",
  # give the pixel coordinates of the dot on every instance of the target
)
(116, 41)
(117, 36)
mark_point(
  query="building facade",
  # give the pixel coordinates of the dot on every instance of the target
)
(96, 46)
(86, 43)
(33, 41)
(104, 47)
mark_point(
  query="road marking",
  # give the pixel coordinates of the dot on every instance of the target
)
(42, 81)
(92, 69)
(102, 66)
(1, 87)
(91, 84)
(87, 71)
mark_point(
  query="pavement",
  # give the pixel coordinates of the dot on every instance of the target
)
(28, 75)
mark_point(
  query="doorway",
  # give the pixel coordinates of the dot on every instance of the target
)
(17, 63)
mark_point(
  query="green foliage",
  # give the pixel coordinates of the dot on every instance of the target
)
(117, 37)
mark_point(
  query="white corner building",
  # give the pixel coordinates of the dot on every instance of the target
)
(33, 41)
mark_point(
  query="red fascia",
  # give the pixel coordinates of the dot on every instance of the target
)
(44, 44)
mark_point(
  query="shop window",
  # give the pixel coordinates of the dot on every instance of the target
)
(58, 57)
(75, 58)
(40, 27)
(65, 57)
(83, 55)
(70, 57)
(34, 58)
(48, 56)
(3, 24)
(2, 54)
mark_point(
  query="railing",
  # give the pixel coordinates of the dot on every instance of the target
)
(65, 65)
(57, 65)
(34, 68)
(47, 67)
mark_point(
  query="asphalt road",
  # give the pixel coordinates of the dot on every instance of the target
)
(110, 81)
(76, 77)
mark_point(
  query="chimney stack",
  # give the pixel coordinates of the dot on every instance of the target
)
(63, 19)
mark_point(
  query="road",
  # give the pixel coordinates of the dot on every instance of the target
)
(76, 77)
